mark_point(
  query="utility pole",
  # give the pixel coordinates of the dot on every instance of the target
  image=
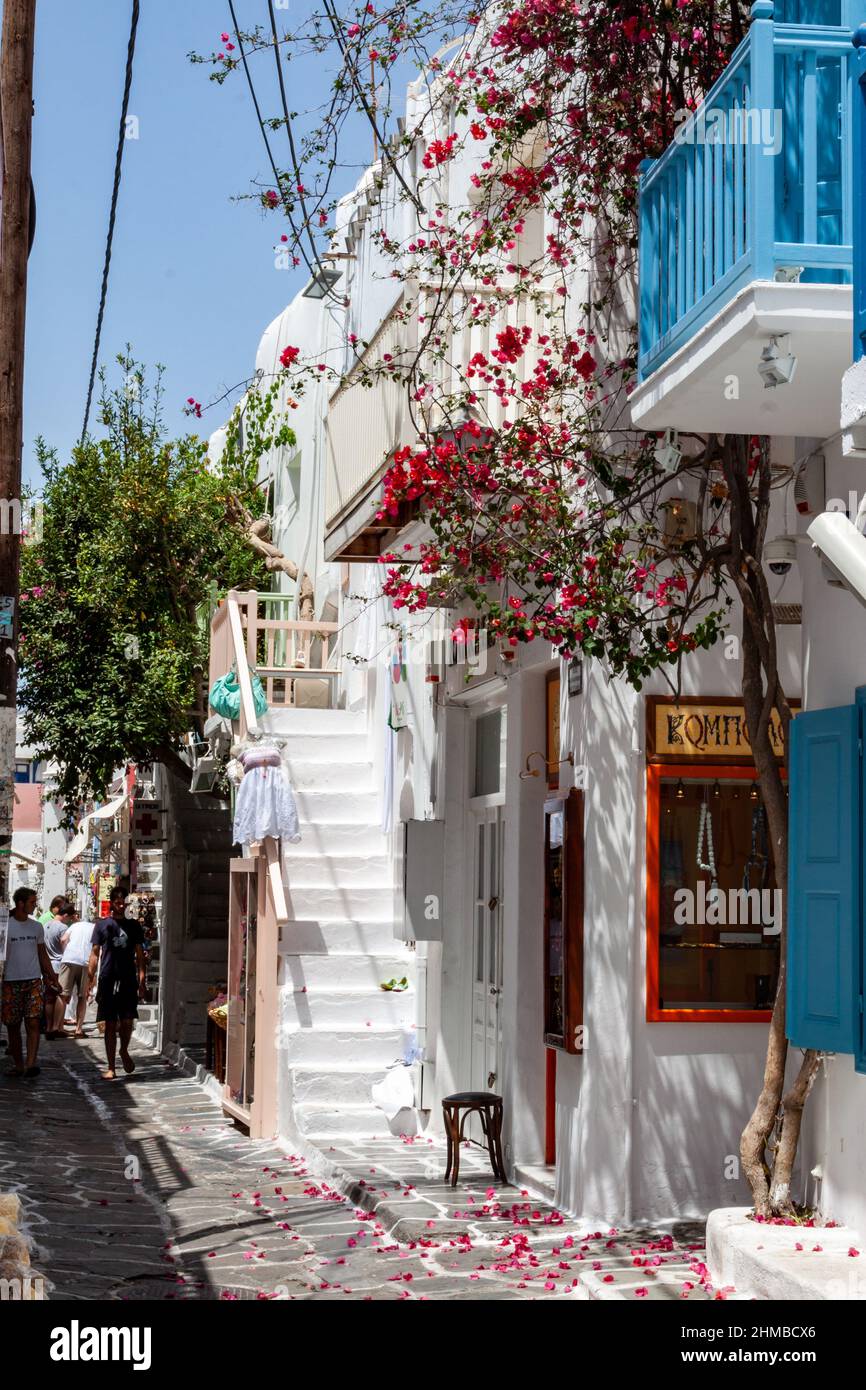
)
(16, 118)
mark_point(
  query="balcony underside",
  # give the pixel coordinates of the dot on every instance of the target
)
(356, 536)
(712, 385)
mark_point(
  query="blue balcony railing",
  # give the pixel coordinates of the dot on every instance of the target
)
(757, 182)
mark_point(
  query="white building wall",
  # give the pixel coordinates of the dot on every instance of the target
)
(648, 1115)
(646, 1118)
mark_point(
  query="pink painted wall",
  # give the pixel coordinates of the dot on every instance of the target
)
(28, 806)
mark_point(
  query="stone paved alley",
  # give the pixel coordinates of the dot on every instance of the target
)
(142, 1189)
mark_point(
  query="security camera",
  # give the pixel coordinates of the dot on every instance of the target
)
(780, 554)
(778, 364)
(843, 549)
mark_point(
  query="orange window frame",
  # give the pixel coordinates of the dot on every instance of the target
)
(687, 772)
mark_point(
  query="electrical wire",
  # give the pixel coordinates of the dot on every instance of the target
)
(296, 233)
(118, 165)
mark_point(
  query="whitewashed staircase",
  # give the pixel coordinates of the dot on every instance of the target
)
(339, 1031)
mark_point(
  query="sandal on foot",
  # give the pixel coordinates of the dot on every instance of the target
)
(128, 1064)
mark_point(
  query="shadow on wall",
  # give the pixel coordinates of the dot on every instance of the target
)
(593, 1090)
(698, 1086)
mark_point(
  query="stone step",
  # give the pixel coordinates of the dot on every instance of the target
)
(210, 880)
(337, 870)
(335, 1085)
(207, 841)
(288, 723)
(326, 838)
(329, 774)
(332, 1009)
(210, 906)
(212, 862)
(193, 1032)
(206, 971)
(367, 1047)
(211, 929)
(195, 994)
(337, 938)
(328, 1122)
(329, 808)
(358, 904)
(197, 948)
(186, 802)
(355, 972)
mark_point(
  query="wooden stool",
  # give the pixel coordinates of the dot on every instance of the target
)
(456, 1111)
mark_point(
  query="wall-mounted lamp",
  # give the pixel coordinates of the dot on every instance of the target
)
(536, 772)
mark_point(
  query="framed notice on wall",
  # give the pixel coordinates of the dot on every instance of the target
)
(563, 922)
(552, 753)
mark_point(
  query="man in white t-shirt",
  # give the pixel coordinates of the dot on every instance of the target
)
(27, 966)
(73, 969)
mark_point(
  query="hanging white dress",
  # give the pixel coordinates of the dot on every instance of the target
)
(265, 803)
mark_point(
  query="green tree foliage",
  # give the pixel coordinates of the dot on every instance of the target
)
(135, 530)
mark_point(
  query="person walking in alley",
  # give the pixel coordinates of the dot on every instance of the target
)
(73, 972)
(27, 966)
(53, 910)
(118, 954)
(56, 929)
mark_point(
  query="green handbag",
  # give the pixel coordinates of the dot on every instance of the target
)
(225, 695)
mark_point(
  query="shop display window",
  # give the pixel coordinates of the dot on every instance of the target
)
(713, 903)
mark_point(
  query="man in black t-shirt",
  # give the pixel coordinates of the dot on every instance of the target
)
(117, 950)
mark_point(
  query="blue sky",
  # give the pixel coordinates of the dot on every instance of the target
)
(193, 282)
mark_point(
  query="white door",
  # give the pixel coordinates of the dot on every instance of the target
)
(487, 950)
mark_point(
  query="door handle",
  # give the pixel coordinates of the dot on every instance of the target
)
(494, 990)
(493, 904)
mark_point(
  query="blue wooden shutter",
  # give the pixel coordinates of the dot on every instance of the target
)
(823, 881)
(859, 197)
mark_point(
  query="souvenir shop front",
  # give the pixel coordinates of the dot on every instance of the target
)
(713, 904)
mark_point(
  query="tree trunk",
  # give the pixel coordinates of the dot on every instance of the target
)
(756, 1135)
(789, 1138)
(256, 532)
(762, 697)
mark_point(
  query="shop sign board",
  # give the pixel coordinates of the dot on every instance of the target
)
(698, 730)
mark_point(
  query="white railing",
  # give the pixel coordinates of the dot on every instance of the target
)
(296, 661)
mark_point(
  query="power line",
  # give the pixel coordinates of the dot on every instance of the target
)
(311, 257)
(118, 164)
(279, 182)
